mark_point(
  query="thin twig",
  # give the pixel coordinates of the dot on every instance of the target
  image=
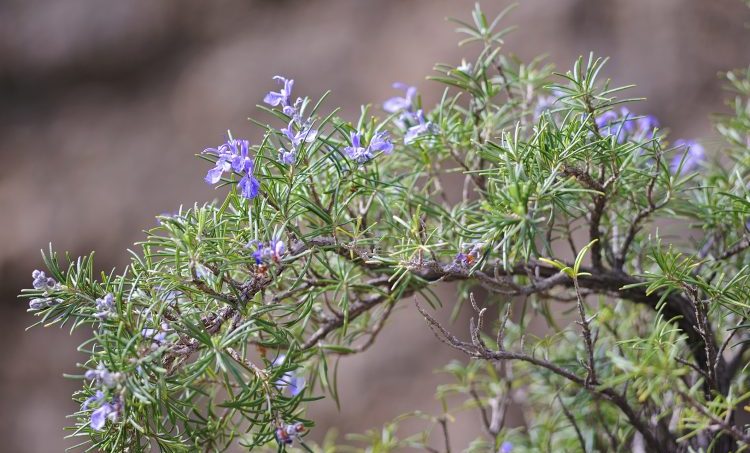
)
(572, 421)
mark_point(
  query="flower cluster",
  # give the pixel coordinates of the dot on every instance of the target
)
(106, 409)
(105, 307)
(297, 134)
(290, 381)
(157, 336)
(627, 126)
(43, 283)
(401, 104)
(286, 434)
(421, 128)
(101, 376)
(268, 253)
(39, 303)
(360, 153)
(410, 119)
(688, 161)
(299, 130)
(234, 156)
(282, 97)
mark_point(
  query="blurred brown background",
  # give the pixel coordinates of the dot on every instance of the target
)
(104, 104)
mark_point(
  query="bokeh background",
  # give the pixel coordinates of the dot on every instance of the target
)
(104, 104)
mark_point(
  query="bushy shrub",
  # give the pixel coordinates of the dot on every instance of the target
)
(575, 208)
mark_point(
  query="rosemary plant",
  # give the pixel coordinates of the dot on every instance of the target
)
(574, 207)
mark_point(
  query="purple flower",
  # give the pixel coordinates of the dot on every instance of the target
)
(41, 281)
(506, 447)
(304, 134)
(93, 400)
(688, 161)
(360, 153)
(269, 253)
(281, 97)
(627, 126)
(101, 376)
(43, 302)
(241, 160)
(421, 128)
(249, 186)
(234, 155)
(609, 124)
(38, 303)
(290, 380)
(224, 162)
(356, 151)
(105, 307)
(157, 336)
(381, 142)
(287, 156)
(399, 103)
(107, 411)
(646, 125)
(605, 119)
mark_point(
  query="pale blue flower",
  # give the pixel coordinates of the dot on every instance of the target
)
(290, 380)
(38, 303)
(506, 447)
(688, 161)
(42, 282)
(249, 186)
(302, 135)
(267, 253)
(287, 156)
(234, 155)
(610, 124)
(422, 127)
(101, 376)
(627, 126)
(296, 136)
(223, 164)
(401, 103)
(105, 307)
(381, 143)
(107, 411)
(645, 126)
(281, 97)
(93, 400)
(43, 302)
(356, 151)
(157, 336)
(360, 153)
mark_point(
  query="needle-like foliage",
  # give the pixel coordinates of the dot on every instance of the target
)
(541, 195)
